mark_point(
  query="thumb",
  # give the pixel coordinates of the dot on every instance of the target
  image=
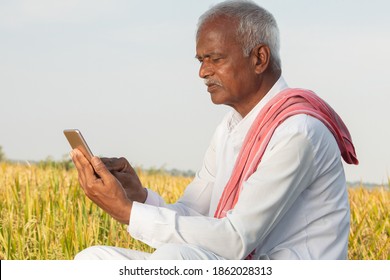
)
(100, 168)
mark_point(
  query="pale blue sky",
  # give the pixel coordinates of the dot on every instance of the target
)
(124, 73)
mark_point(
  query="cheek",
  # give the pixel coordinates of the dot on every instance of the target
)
(227, 76)
(244, 78)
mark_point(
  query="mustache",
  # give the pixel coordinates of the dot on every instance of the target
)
(209, 82)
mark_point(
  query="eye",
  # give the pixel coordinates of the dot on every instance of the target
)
(216, 58)
(199, 59)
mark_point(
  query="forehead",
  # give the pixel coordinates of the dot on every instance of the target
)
(217, 33)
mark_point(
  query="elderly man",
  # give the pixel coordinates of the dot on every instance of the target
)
(272, 185)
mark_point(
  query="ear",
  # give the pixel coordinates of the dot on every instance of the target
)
(261, 55)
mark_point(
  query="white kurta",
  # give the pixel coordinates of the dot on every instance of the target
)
(295, 206)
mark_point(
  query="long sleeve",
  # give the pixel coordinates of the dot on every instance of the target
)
(289, 166)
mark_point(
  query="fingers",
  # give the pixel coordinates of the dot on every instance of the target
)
(117, 164)
(132, 186)
(84, 167)
(101, 169)
(106, 191)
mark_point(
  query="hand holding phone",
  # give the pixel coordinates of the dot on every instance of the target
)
(97, 185)
(77, 141)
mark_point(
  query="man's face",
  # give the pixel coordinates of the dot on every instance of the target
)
(230, 77)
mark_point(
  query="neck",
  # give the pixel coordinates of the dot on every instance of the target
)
(266, 82)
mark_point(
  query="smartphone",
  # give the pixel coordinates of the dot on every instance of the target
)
(77, 141)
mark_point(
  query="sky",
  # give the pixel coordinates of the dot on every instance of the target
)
(124, 73)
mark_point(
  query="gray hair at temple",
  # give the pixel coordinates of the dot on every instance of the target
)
(255, 26)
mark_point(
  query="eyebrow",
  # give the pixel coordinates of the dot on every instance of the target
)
(208, 55)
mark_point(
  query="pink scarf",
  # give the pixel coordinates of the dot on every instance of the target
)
(285, 104)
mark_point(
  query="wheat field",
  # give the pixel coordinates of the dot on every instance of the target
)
(44, 215)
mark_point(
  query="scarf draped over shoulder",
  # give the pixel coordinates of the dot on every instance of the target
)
(287, 103)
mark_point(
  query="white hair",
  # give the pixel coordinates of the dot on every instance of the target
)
(255, 26)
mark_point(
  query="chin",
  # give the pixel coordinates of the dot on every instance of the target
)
(217, 99)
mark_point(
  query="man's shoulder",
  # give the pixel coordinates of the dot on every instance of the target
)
(314, 130)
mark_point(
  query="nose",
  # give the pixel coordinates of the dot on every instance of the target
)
(205, 70)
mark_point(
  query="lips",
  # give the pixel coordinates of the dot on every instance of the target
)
(212, 87)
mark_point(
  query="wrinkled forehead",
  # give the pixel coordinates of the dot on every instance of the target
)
(217, 36)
